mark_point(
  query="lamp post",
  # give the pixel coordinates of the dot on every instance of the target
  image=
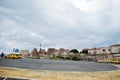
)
(40, 45)
(95, 54)
(40, 50)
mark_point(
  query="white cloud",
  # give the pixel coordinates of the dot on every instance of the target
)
(8, 22)
(6, 10)
(56, 11)
(92, 6)
(20, 38)
(64, 23)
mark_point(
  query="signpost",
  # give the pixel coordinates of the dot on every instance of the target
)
(16, 50)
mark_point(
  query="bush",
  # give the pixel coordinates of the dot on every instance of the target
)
(75, 59)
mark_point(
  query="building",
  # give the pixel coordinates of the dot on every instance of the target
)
(35, 54)
(115, 51)
(42, 52)
(99, 53)
(51, 52)
(25, 53)
(63, 52)
(94, 51)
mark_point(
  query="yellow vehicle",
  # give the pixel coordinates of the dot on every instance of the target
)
(13, 56)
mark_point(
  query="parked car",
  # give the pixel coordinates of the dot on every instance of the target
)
(13, 56)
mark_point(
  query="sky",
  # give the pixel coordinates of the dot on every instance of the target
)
(69, 24)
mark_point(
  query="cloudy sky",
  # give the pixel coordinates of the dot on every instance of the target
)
(70, 24)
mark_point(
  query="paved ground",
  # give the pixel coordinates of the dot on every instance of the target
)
(56, 65)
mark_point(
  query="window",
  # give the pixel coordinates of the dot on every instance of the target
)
(119, 50)
(17, 55)
(104, 50)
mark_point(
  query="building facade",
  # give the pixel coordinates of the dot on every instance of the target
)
(25, 53)
(97, 51)
(115, 51)
(35, 54)
(97, 54)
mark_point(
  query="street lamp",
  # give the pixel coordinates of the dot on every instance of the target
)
(40, 50)
(95, 54)
(40, 45)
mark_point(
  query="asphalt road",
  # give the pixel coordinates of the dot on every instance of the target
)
(56, 65)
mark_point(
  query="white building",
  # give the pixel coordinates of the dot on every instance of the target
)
(112, 52)
(116, 51)
(102, 50)
(25, 53)
(94, 51)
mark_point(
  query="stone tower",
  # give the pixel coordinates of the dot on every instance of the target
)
(35, 54)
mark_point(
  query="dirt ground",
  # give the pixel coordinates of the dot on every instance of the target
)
(59, 75)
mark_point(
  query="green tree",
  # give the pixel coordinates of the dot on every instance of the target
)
(74, 51)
